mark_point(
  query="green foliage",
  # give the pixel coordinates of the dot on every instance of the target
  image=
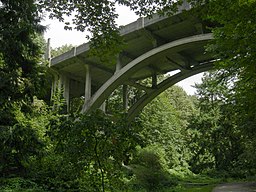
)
(99, 19)
(18, 184)
(234, 44)
(76, 105)
(207, 188)
(218, 140)
(150, 169)
(21, 74)
(88, 153)
(115, 101)
(23, 117)
(23, 140)
(60, 50)
(165, 120)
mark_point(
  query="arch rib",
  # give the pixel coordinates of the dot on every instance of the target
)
(146, 98)
(124, 73)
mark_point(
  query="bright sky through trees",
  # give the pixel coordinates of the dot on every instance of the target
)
(60, 37)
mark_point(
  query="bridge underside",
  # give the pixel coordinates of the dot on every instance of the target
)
(157, 46)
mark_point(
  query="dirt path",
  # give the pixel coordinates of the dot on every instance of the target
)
(236, 187)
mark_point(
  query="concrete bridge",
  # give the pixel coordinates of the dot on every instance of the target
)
(154, 46)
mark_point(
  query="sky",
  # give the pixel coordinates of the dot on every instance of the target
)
(60, 37)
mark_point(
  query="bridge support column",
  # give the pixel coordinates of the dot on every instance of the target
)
(103, 107)
(63, 88)
(47, 55)
(88, 84)
(125, 97)
(60, 85)
(154, 80)
(118, 63)
(65, 85)
(125, 87)
(54, 85)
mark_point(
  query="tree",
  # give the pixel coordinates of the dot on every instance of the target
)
(21, 68)
(233, 46)
(219, 142)
(22, 76)
(151, 169)
(165, 120)
(91, 149)
(20, 50)
(60, 50)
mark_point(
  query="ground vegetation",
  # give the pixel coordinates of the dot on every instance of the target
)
(176, 137)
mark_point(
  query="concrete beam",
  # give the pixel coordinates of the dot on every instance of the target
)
(96, 65)
(180, 66)
(155, 39)
(54, 84)
(187, 59)
(128, 55)
(154, 69)
(138, 86)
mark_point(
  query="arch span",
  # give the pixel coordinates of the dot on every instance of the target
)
(149, 96)
(122, 76)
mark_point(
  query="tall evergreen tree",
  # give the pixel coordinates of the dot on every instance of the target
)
(165, 120)
(219, 142)
(21, 78)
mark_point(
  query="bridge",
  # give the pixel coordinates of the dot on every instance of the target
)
(154, 46)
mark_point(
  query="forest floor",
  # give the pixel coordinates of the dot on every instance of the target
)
(236, 187)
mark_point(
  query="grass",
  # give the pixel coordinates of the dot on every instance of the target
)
(195, 183)
(206, 188)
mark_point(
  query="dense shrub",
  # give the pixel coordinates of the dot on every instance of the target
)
(151, 170)
(18, 184)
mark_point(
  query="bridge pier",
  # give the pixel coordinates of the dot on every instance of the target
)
(118, 63)
(61, 84)
(54, 85)
(88, 84)
(88, 89)
(125, 97)
(124, 87)
(65, 85)
(103, 106)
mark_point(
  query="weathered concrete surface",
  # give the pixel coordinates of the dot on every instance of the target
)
(236, 187)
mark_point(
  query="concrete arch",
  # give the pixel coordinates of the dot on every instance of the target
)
(123, 74)
(146, 98)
